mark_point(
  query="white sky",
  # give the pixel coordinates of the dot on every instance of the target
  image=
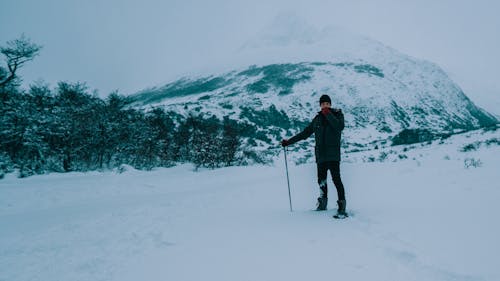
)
(131, 45)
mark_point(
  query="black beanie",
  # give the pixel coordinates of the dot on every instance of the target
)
(325, 98)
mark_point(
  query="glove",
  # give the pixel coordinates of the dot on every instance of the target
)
(285, 142)
(336, 110)
(325, 111)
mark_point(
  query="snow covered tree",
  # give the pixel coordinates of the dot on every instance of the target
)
(112, 131)
(74, 126)
(70, 129)
(17, 53)
(207, 145)
(162, 129)
(230, 141)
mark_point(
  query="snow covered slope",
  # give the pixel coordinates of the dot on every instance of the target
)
(427, 216)
(381, 90)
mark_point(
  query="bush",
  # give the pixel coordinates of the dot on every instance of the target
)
(476, 145)
(470, 147)
(409, 136)
(383, 156)
(493, 141)
(472, 162)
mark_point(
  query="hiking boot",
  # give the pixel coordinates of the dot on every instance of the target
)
(322, 202)
(341, 210)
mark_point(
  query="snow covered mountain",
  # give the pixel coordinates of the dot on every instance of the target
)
(379, 101)
(387, 97)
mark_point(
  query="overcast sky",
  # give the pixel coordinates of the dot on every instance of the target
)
(131, 45)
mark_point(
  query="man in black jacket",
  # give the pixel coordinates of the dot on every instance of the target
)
(327, 127)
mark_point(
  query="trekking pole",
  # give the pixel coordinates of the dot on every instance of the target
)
(288, 181)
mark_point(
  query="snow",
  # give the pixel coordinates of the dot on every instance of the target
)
(428, 218)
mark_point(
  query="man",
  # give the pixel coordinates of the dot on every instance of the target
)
(327, 126)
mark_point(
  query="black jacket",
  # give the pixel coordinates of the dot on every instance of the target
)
(327, 131)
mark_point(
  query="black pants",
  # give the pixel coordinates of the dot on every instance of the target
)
(334, 167)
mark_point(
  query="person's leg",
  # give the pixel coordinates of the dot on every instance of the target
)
(322, 174)
(335, 171)
(323, 198)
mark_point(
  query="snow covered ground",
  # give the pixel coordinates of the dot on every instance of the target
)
(425, 217)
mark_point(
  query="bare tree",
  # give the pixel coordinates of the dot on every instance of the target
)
(17, 52)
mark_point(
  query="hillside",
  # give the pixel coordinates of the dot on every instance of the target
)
(273, 83)
(380, 102)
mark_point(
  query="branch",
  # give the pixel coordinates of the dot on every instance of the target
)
(18, 52)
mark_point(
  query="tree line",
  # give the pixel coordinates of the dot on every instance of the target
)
(69, 128)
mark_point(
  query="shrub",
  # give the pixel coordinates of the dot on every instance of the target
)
(472, 162)
(409, 136)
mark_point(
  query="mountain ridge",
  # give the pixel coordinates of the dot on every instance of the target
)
(377, 104)
(385, 94)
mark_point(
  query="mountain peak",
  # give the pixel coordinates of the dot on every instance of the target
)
(290, 38)
(383, 93)
(286, 29)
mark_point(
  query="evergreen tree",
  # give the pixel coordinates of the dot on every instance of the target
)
(16, 52)
(230, 141)
(162, 130)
